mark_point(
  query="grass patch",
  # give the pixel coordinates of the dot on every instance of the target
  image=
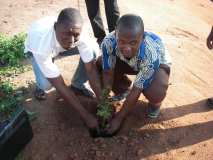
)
(9, 101)
(12, 71)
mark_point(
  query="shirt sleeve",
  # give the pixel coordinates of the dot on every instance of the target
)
(108, 58)
(86, 52)
(165, 57)
(145, 75)
(87, 46)
(47, 67)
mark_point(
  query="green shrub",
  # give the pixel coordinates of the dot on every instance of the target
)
(12, 49)
(8, 101)
(6, 88)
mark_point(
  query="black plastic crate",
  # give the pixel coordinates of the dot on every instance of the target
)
(14, 135)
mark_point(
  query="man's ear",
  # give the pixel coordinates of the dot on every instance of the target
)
(55, 25)
(142, 36)
(116, 33)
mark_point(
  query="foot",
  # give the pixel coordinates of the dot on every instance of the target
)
(120, 97)
(153, 111)
(209, 103)
(86, 92)
(40, 94)
(58, 97)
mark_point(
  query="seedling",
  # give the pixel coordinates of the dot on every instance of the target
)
(105, 112)
(104, 109)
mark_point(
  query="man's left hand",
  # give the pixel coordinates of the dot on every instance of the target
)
(114, 125)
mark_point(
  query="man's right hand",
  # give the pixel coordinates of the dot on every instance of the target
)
(91, 122)
(73, 101)
(210, 40)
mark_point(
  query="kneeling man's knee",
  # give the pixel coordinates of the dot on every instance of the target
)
(157, 95)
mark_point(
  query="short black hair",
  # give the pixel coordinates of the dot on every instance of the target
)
(132, 22)
(70, 15)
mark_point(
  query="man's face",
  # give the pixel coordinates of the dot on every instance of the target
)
(67, 34)
(128, 43)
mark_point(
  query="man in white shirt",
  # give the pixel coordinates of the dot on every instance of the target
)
(49, 37)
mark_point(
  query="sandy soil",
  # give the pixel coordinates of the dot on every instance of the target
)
(184, 130)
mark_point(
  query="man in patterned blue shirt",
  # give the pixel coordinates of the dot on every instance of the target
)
(130, 50)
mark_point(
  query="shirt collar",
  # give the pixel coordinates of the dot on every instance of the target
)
(141, 51)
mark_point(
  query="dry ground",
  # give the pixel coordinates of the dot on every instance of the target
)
(184, 130)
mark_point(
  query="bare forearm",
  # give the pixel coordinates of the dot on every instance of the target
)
(69, 96)
(95, 83)
(108, 79)
(93, 76)
(130, 101)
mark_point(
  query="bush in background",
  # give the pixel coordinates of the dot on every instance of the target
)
(12, 49)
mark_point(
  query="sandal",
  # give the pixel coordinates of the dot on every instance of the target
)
(209, 103)
(153, 111)
(120, 97)
(40, 94)
(86, 92)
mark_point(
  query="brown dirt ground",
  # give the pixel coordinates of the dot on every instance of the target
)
(184, 130)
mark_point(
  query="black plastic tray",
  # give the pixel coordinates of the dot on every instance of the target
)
(15, 133)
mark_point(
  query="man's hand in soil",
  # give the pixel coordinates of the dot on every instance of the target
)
(210, 40)
(91, 122)
(69, 96)
(114, 125)
(130, 101)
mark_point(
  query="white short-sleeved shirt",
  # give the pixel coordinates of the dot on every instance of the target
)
(42, 43)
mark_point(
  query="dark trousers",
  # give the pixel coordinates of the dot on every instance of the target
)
(121, 82)
(155, 93)
(112, 15)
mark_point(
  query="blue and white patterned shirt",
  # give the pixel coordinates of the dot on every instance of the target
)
(150, 55)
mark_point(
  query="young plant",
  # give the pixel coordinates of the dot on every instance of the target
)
(104, 110)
